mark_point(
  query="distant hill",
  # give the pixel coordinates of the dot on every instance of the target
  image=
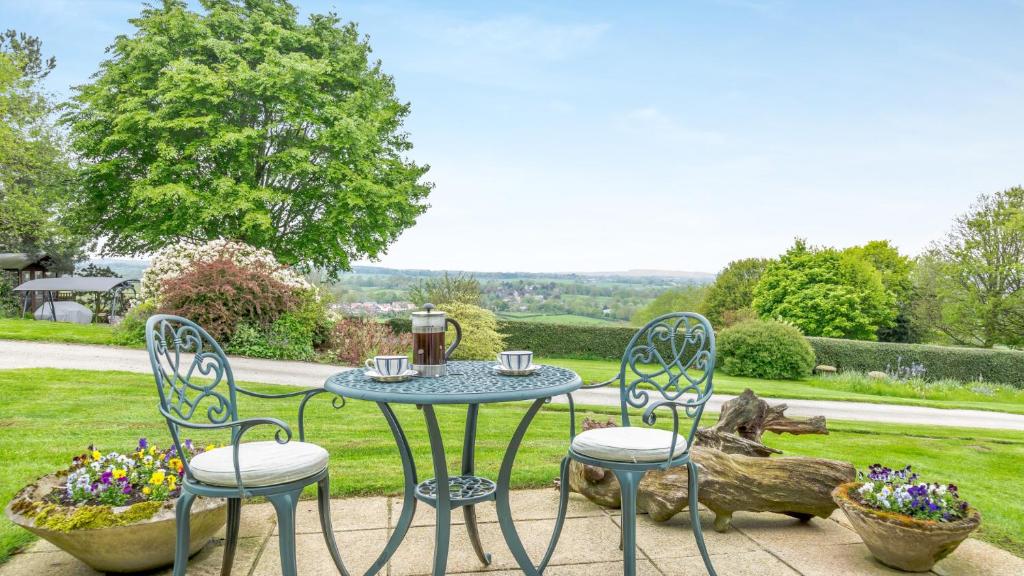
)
(642, 273)
(133, 268)
(123, 267)
(636, 274)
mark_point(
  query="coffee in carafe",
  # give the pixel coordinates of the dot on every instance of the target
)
(429, 356)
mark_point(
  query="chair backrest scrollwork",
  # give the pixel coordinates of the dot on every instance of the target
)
(193, 376)
(672, 356)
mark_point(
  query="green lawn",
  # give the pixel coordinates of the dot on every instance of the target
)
(47, 416)
(1002, 399)
(43, 331)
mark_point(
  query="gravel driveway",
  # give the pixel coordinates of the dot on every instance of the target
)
(18, 354)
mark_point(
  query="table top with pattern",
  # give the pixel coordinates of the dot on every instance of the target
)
(467, 382)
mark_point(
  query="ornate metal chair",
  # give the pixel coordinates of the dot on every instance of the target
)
(673, 356)
(181, 351)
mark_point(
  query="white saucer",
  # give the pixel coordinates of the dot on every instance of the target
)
(396, 378)
(524, 372)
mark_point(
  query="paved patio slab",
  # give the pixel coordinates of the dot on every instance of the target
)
(758, 545)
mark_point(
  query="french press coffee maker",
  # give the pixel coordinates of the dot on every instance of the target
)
(428, 353)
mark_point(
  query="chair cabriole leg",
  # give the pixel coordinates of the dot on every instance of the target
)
(563, 507)
(691, 481)
(181, 543)
(231, 535)
(629, 485)
(323, 504)
(286, 504)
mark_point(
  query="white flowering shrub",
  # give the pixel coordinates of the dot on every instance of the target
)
(173, 261)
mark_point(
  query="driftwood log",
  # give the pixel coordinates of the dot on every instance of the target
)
(737, 471)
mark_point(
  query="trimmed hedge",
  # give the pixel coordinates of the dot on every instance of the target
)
(592, 342)
(608, 343)
(964, 364)
(559, 340)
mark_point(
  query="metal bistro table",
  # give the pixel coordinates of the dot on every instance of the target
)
(471, 383)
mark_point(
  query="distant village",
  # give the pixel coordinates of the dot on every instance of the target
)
(373, 308)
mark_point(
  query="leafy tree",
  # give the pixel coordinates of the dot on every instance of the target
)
(34, 170)
(733, 290)
(94, 300)
(971, 285)
(896, 270)
(94, 271)
(688, 298)
(242, 123)
(448, 289)
(8, 299)
(825, 292)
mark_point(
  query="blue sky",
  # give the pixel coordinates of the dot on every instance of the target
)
(583, 136)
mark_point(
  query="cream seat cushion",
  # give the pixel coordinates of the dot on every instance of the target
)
(628, 444)
(261, 463)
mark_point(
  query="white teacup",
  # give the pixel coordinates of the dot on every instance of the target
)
(388, 365)
(516, 359)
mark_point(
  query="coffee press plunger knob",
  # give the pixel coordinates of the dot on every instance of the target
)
(428, 307)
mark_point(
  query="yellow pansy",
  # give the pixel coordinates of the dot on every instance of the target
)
(171, 480)
(210, 447)
(175, 464)
(119, 473)
(96, 455)
(146, 490)
(157, 478)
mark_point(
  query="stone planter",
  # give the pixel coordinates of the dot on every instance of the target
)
(900, 541)
(138, 546)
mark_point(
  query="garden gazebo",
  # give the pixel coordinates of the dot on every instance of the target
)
(111, 289)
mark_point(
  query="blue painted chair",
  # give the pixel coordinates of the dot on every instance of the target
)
(673, 358)
(182, 352)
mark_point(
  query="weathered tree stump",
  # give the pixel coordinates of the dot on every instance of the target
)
(736, 472)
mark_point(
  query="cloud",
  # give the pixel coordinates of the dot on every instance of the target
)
(651, 122)
(523, 37)
(519, 51)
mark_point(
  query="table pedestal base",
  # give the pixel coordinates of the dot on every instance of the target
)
(464, 490)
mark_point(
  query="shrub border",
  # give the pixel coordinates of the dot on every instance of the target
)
(608, 343)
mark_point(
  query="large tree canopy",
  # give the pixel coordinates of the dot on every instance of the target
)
(971, 285)
(895, 270)
(825, 292)
(689, 298)
(733, 291)
(242, 123)
(34, 171)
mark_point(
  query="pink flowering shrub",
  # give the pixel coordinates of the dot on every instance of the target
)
(353, 340)
(220, 295)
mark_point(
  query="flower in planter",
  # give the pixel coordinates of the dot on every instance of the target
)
(901, 491)
(114, 479)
